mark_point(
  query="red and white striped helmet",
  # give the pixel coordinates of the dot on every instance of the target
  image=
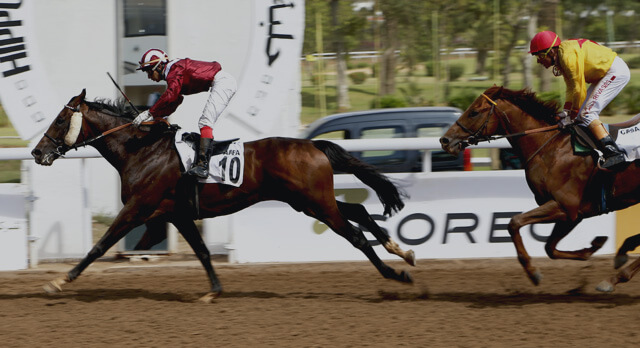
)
(152, 58)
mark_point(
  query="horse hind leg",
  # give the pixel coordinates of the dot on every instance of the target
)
(359, 214)
(355, 236)
(623, 276)
(629, 244)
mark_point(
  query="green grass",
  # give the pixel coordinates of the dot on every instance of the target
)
(10, 170)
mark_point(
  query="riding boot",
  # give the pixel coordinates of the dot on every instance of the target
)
(201, 165)
(612, 153)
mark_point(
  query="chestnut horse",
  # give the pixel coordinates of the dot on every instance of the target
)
(568, 188)
(294, 171)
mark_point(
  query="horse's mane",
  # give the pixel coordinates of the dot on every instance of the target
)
(118, 107)
(528, 102)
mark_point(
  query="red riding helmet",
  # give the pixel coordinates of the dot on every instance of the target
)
(152, 58)
(543, 41)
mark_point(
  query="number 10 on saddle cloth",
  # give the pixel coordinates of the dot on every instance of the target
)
(226, 165)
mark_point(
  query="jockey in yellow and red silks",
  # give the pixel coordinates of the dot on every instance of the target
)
(581, 62)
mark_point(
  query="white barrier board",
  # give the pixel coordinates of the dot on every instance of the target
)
(13, 228)
(449, 215)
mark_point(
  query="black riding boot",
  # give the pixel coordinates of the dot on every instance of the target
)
(612, 154)
(201, 167)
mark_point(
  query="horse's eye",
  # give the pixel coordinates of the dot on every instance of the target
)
(59, 120)
(474, 113)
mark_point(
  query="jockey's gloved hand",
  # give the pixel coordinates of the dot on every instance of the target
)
(564, 117)
(142, 117)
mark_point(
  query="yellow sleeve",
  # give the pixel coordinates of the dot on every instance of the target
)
(572, 64)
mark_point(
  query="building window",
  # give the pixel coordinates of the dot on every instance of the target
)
(145, 17)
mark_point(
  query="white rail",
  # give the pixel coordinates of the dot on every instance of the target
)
(426, 143)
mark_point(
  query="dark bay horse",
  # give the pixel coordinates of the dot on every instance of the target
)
(294, 171)
(568, 188)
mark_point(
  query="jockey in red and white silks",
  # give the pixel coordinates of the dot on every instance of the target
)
(184, 77)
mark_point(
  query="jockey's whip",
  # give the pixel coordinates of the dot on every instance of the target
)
(124, 95)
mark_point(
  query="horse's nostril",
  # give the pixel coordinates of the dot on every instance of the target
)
(444, 141)
(36, 153)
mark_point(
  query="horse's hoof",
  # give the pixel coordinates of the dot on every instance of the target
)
(410, 257)
(536, 277)
(405, 277)
(209, 297)
(620, 260)
(54, 286)
(598, 242)
(605, 286)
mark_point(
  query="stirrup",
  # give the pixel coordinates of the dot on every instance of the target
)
(198, 171)
(611, 162)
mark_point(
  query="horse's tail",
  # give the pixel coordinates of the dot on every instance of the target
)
(341, 160)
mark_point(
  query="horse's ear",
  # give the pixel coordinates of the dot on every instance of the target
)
(82, 95)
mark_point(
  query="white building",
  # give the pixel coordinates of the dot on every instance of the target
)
(54, 49)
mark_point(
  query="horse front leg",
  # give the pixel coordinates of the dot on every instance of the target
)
(359, 214)
(561, 230)
(548, 212)
(155, 233)
(123, 223)
(189, 231)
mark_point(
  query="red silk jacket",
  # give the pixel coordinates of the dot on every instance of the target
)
(185, 76)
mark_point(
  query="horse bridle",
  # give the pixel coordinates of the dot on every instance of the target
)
(473, 139)
(476, 137)
(62, 148)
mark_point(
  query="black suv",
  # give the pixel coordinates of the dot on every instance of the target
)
(394, 123)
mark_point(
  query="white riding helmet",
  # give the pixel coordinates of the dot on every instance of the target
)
(151, 59)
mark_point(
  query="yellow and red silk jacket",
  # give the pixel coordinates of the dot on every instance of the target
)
(582, 61)
(185, 76)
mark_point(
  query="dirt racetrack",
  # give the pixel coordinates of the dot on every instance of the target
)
(454, 303)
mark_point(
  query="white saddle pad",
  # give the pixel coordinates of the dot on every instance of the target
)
(629, 141)
(224, 168)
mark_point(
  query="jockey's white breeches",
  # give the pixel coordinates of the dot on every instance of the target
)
(222, 90)
(601, 93)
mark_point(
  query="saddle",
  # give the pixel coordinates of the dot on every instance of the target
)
(218, 147)
(584, 144)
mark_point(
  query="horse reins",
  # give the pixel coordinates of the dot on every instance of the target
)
(476, 137)
(63, 148)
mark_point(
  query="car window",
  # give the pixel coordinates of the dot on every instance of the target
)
(431, 131)
(382, 133)
(338, 134)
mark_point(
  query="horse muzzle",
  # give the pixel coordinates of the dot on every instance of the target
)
(45, 159)
(452, 146)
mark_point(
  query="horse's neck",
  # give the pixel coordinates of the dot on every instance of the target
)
(112, 145)
(532, 143)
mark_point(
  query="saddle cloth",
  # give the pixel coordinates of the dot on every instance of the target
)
(227, 162)
(627, 136)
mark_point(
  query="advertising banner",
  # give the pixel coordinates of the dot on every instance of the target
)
(448, 215)
(267, 78)
(24, 91)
